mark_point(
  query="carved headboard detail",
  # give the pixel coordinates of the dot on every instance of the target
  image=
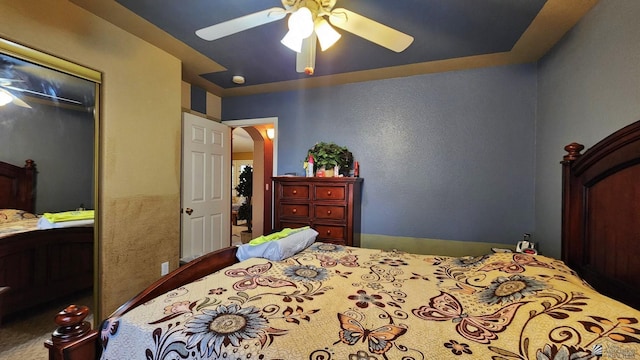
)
(17, 186)
(601, 213)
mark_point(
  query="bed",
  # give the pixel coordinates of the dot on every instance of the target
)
(37, 265)
(335, 302)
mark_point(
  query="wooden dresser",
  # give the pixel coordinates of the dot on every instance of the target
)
(330, 205)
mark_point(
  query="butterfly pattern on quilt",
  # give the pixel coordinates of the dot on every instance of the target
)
(379, 340)
(252, 277)
(478, 328)
(329, 261)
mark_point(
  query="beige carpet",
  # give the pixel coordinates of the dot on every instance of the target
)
(23, 338)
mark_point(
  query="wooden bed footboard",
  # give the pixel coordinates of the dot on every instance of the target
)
(44, 265)
(74, 339)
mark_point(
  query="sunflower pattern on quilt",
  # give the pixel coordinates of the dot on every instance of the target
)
(336, 302)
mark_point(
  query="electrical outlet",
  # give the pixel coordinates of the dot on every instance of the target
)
(164, 268)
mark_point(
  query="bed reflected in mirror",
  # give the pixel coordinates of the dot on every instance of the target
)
(48, 118)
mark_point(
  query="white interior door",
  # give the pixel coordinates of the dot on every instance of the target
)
(206, 177)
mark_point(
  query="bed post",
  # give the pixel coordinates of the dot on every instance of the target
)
(571, 206)
(73, 339)
(26, 192)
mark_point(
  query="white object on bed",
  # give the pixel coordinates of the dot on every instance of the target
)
(276, 250)
(43, 223)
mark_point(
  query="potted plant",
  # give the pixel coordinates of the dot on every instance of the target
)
(329, 155)
(245, 188)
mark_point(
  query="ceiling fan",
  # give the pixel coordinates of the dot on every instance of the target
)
(7, 94)
(310, 22)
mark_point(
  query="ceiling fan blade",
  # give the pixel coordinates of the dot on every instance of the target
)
(19, 102)
(306, 59)
(371, 30)
(7, 82)
(53, 97)
(242, 23)
(15, 100)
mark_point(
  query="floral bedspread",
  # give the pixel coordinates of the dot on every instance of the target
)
(16, 227)
(336, 302)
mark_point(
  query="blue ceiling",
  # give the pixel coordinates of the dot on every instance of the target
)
(442, 29)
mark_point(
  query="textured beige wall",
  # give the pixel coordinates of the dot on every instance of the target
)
(139, 184)
(214, 106)
(186, 95)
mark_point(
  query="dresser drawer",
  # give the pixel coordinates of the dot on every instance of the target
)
(294, 210)
(327, 192)
(292, 225)
(331, 233)
(295, 192)
(330, 212)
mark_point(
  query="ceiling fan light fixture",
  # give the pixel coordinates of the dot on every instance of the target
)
(307, 58)
(327, 35)
(301, 22)
(5, 98)
(292, 41)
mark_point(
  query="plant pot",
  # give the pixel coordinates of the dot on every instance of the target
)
(245, 236)
(322, 172)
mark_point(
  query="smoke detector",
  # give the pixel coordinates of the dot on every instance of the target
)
(237, 79)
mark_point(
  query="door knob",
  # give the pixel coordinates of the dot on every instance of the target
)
(189, 211)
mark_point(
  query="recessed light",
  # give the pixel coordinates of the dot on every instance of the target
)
(238, 79)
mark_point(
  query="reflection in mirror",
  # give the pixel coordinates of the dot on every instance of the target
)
(48, 114)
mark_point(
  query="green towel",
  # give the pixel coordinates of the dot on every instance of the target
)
(69, 216)
(275, 236)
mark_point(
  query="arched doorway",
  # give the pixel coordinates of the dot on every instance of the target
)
(264, 167)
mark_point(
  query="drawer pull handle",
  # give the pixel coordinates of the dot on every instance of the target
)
(328, 232)
(328, 212)
(329, 193)
(294, 210)
(295, 192)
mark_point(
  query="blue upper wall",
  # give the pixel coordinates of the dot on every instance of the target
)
(448, 156)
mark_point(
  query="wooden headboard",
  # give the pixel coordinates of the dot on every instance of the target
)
(601, 213)
(17, 185)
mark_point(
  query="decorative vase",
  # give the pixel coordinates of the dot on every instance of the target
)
(328, 172)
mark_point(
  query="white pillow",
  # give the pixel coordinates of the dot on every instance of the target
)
(277, 250)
